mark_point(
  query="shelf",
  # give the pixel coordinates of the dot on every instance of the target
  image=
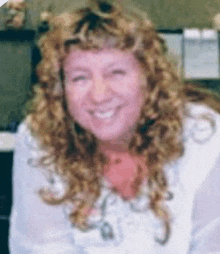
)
(17, 35)
(202, 79)
(7, 141)
(168, 30)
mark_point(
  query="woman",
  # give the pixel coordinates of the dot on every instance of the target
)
(115, 156)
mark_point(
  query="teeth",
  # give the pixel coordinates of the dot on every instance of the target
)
(104, 114)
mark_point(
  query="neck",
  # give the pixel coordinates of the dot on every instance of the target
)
(113, 146)
(117, 145)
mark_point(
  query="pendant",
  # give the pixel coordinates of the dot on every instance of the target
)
(107, 231)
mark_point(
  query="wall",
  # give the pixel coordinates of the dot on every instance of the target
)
(184, 13)
(15, 73)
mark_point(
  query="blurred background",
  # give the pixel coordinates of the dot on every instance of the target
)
(190, 28)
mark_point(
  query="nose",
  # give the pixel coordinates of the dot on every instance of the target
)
(100, 90)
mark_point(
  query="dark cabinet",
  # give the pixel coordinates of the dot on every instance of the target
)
(15, 74)
(4, 229)
(6, 161)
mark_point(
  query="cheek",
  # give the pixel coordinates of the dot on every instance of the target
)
(73, 103)
(138, 103)
(73, 96)
(138, 96)
(132, 113)
(76, 107)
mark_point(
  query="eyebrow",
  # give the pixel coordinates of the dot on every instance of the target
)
(82, 68)
(79, 68)
(114, 63)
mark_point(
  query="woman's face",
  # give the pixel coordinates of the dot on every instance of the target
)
(103, 90)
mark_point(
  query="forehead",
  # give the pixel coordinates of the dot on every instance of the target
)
(104, 57)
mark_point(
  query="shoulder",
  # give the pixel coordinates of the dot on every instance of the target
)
(27, 155)
(23, 128)
(195, 109)
(201, 144)
(201, 123)
(26, 141)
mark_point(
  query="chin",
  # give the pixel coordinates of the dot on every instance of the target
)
(107, 137)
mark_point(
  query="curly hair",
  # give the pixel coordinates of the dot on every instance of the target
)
(72, 149)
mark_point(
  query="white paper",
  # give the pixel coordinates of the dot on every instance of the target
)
(201, 55)
(2, 2)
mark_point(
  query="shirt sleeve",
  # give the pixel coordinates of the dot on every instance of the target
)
(206, 215)
(35, 227)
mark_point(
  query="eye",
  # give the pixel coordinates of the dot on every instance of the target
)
(120, 72)
(79, 78)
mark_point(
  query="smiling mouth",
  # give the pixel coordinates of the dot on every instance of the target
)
(104, 114)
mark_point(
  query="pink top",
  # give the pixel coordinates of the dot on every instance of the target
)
(122, 171)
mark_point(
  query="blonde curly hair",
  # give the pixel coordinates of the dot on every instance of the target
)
(72, 149)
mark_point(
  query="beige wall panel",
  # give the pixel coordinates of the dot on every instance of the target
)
(185, 13)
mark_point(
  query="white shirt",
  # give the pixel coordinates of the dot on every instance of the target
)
(194, 179)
